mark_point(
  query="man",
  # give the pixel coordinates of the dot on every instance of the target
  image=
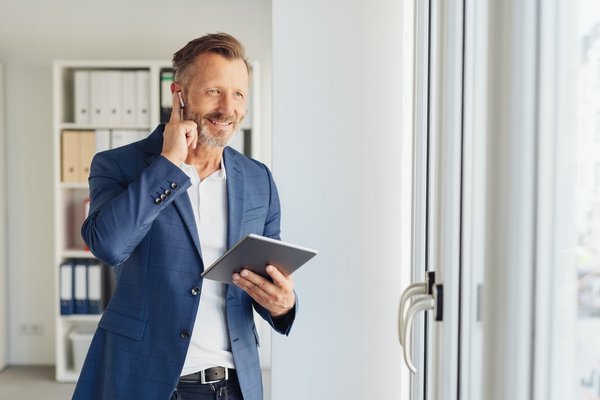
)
(161, 210)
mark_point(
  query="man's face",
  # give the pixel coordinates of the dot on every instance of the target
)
(215, 97)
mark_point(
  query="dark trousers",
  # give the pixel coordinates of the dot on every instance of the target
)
(222, 390)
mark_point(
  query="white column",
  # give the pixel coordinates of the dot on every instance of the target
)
(337, 146)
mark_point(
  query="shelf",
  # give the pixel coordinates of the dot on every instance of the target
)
(68, 376)
(76, 254)
(71, 198)
(75, 126)
(81, 317)
(111, 64)
(74, 185)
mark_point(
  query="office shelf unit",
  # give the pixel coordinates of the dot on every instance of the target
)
(70, 197)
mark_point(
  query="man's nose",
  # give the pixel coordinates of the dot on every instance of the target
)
(225, 104)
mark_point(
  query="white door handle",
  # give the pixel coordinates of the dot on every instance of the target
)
(413, 290)
(424, 302)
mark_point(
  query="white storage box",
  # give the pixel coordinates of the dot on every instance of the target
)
(80, 343)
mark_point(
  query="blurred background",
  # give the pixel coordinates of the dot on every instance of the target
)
(461, 137)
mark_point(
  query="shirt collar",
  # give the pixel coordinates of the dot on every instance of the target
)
(220, 175)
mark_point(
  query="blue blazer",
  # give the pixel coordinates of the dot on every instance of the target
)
(142, 338)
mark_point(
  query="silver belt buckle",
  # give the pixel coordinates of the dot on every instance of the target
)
(203, 377)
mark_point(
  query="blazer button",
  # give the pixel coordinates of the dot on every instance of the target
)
(157, 201)
(173, 185)
(195, 291)
(184, 334)
(163, 197)
(168, 192)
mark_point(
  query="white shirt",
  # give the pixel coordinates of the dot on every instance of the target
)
(209, 344)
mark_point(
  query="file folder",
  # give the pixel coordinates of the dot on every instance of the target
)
(166, 98)
(81, 290)
(82, 97)
(128, 97)
(121, 137)
(99, 97)
(143, 97)
(94, 275)
(67, 305)
(70, 157)
(113, 97)
(87, 145)
(102, 137)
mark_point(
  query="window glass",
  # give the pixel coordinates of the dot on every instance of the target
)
(587, 205)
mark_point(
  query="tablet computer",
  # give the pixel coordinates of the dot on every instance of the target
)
(255, 252)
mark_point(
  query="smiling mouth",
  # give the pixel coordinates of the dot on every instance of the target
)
(219, 123)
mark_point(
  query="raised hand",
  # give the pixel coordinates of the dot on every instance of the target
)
(179, 135)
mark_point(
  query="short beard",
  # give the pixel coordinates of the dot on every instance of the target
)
(205, 138)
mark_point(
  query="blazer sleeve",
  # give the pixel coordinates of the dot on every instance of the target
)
(122, 212)
(272, 229)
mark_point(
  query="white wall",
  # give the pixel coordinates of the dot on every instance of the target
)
(32, 35)
(337, 101)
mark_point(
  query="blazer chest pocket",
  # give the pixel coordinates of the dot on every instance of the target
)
(254, 220)
(122, 324)
(254, 213)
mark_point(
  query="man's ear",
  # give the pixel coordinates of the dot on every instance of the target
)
(175, 87)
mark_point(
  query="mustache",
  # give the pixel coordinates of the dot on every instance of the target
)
(220, 117)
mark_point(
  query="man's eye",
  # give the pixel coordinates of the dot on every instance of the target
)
(239, 94)
(213, 91)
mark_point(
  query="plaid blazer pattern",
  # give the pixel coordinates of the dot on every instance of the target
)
(142, 338)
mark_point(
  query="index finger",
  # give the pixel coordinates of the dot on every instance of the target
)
(279, 278)
(177, 110)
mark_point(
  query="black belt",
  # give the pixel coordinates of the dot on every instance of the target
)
(210, 375)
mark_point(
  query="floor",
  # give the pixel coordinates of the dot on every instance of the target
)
(33, 383)
(37, 383)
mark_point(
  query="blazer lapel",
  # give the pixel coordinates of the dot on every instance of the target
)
(236, 192)
(183, 205)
